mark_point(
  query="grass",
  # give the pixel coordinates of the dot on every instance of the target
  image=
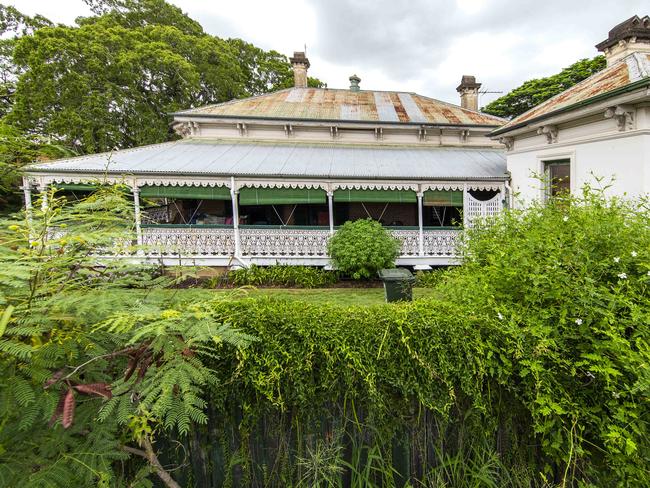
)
(337, 296)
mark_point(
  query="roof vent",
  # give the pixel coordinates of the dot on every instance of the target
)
(631, 35)
(354, 83)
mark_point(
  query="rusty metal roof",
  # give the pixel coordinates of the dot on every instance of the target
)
(630, 69)
(347, 106)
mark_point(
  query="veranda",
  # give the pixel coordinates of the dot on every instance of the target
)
(236, 222)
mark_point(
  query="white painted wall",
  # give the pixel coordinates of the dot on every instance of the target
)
(596, 148)
(625, 159)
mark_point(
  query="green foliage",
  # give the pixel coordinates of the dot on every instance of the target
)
(540, 339)
(282, 275)
(70, 348)
(429, 279)
(563, 291)
(534, 92)
(17, 150)
(362, 248)
(112, 81)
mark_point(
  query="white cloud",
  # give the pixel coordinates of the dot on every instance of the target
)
(419, 45)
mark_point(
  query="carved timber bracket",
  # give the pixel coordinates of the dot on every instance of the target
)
(550, 131)
(509, 142)
(624, 116)
(186, 129)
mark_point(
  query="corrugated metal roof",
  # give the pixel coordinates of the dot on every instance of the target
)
(226, 158)
(630, 69)
(347, 105)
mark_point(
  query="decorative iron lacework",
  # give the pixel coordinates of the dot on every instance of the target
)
(188, 241)
(410, 240)
(326, 185)
(166, 241)
(373, 186)
(441, 243)
(284, 242)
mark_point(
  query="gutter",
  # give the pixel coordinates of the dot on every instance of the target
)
(328, 121)
(583, 103)
(37, 171)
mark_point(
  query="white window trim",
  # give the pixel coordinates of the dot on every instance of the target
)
(542, 161)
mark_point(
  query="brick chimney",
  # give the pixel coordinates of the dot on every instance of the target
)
(300, 65)
(468, 90)
(631, 35)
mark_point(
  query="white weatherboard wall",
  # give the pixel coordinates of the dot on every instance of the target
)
(596, 149)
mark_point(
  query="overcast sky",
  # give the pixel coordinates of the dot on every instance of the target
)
(424, 46)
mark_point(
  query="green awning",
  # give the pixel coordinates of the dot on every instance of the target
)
(277, 196)
(76, 187)
(187, 192)
(443, 198)
(381, 196)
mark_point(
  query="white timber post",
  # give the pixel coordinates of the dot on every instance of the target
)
(235, 215)
(42, 188)
(465, 207)
(138, 217)
(27, 191)
(420, 223)
(330, 206)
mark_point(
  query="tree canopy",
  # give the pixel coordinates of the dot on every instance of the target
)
(534, 92)
(111, 81)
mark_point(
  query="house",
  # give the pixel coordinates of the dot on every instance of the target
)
(268, 179)
(596, 132)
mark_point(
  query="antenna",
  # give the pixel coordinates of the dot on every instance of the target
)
(483, 92)
(305, 49)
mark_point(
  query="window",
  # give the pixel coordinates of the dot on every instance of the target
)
(558, 177)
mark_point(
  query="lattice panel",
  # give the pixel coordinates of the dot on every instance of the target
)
(481, 209)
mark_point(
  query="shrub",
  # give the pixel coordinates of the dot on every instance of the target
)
(563, 290)
(362, 248)
(282, 275)
(429, 279)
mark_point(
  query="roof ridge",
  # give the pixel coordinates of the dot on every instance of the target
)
(461, 108)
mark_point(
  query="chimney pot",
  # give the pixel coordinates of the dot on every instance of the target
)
(354, 83)
(300, 65)
(468, 90)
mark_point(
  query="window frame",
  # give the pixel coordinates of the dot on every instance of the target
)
(559, 158)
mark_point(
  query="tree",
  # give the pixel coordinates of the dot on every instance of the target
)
(534, 92)
(13, 24)
(109, 372)
(112, 81)
(265, 70)
(16, 150)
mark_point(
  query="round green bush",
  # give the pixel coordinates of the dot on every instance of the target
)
(363, 247)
